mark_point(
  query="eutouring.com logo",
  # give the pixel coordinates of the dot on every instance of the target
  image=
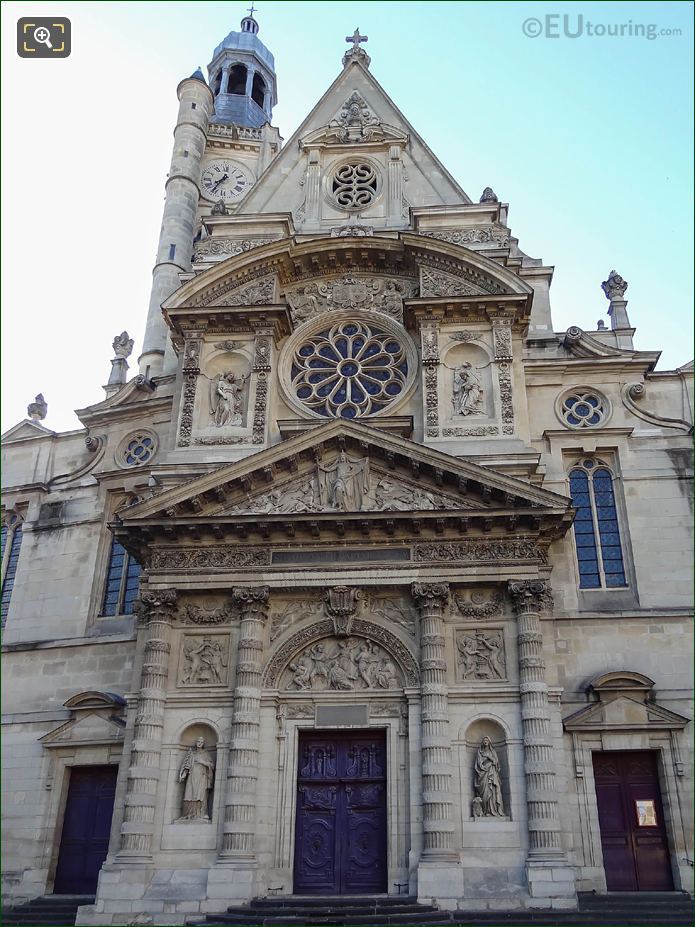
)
(575, 26)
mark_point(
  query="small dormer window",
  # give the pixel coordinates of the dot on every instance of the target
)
(237, 80)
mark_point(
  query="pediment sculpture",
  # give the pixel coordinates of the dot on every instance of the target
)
(351, 291)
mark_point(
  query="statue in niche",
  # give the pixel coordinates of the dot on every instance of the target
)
(467, 392)
(198, 773)
(204, 662)
(344, 484)
(487, 785)
(225, 398)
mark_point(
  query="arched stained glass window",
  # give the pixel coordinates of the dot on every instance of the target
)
(122, 579)
(11, 545)
(596, 529)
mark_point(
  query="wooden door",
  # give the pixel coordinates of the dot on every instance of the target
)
(86, 826)
(340, 837)
(633, 835)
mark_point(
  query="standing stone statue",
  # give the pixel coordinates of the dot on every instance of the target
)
(225, 398)
(467, 391)
(488, 787)
(344, 484)
(198, 772)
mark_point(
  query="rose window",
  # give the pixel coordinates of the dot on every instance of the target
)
(350, 370)
(138, 449)
(355, 185)
(581, 409)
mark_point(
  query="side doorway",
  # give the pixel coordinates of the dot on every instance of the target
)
(634, 841)
(84, 840)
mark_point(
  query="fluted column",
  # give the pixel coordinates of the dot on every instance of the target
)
(156, 610)
(431, 600)
(242, 772)
(545, 844)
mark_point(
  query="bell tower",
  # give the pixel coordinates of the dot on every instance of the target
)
(242, 78)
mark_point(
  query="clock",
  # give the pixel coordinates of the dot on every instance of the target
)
(225, 180)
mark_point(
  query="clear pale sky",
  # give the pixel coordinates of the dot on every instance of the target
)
(588, 139)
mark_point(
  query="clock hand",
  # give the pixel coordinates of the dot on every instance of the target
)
(221, 180)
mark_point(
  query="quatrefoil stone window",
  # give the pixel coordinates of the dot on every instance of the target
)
(351, 370)
(354, 185)
(137, 449)
(582, 408)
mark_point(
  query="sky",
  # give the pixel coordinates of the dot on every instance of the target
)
(587, 136)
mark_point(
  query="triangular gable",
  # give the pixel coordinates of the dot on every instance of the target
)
(431, 472)
(277, 188)
(90, 728)
(624, 713)
(26, 429)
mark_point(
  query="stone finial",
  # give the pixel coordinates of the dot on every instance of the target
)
(38, 409)
(123, 345)
(219, 209)
(614, 287)
(356, 53)
(489, 196)
(601, 326)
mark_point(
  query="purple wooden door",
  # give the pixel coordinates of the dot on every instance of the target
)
(85, 838)
(340, 841)
(633, 834)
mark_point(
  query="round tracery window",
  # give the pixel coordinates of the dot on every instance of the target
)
(351, 370)
(584, 409)
(138, 449)
(354, 185)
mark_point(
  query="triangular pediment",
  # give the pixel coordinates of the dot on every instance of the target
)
(378, 121)
(352, 468)
(89, 728)
(26, 429)
(624, 713)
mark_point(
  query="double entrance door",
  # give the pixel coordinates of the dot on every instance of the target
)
(633, 834)
(340, 839)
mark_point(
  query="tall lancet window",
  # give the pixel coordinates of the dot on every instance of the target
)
(11, 545)
(596, 528)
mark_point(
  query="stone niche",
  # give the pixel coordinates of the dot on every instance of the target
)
(193, 772)
(224, 394)
(467, 399)
(474, 736)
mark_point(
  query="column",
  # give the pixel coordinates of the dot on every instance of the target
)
(395, 187)
(239, 832)
(250, 74)
(548, 873)
(439, 871)
(224, 84)
(156, 609)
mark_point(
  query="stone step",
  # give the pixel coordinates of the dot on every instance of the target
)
(56, 910)
(302, 910)
(338, 900)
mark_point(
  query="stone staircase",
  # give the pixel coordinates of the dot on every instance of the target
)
(53, 910)
(618, 909)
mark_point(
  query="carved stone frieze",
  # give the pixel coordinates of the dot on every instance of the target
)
(229, 345)
(253, 292)
(477, 431)
(392, 611)
(323, 629)
(197, 614)
(300, 711)
(504, 377)
(431, 401)
(213, 247)
(466, 336)
(291, 613)
(502, 337)
(478, 550)
(476, 235)
(440, 283)
(479, 605)
(351, 291)
(385, 710)
(208, 558)
(204, 660)
(481, 654)
(219, 440)
(343, 664)
(191, 371)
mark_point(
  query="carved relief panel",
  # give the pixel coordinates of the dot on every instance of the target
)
(203, 660)
(342, 664)
(480, 655)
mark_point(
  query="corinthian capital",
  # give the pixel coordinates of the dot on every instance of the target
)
(156, 604)
(430, 595)
(530, 595)
(252, 601)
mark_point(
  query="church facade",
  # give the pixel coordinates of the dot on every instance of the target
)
(369, 581)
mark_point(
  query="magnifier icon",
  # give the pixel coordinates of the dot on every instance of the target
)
(43, 37)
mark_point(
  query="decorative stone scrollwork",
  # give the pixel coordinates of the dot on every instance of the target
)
(351, 291)
(156, 603)
(212, 247)
(196, 614)
(502, 337)
(430, 594)
(437, 283)
(209, 558)
(252, 600)
(258, 292)
(478, 605)
(504, 377)
(477, 431)
(530, 595)
(341, 606)
(518, 549)
(477, 235)
(356, 122)
(481, 654)
(191, 371)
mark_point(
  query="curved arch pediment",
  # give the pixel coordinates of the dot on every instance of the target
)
(265, 274)
(302, 643)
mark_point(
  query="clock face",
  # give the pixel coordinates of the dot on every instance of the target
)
(224, 180)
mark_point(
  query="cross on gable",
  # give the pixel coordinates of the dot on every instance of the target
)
(356, 38)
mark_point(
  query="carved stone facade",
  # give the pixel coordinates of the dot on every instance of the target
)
(345, 528)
